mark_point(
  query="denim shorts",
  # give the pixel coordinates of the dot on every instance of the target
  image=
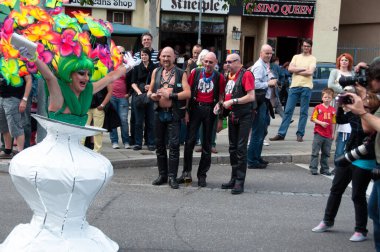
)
(11, 120)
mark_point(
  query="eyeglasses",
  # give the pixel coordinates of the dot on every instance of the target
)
(208, 62)
(306, 46)
(230, 61)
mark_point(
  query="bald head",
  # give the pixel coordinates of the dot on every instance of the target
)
(266, 53)
(209, 62)
(167, 57)
(233, 62)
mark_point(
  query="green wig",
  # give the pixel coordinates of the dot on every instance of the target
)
(72, 63)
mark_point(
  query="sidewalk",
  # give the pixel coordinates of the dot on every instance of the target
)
(285, 151)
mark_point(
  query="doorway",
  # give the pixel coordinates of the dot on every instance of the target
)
(249, 50)
(287, 47)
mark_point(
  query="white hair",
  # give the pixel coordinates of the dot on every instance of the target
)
(201, 56)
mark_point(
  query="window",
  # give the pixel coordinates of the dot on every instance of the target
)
(118, 17)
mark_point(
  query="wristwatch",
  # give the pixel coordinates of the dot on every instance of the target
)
(25, 99)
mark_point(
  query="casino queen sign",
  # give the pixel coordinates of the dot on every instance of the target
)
(208, 6)
(281, 9)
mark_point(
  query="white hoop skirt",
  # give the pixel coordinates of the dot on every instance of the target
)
(59, 178)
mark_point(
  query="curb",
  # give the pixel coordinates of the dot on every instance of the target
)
(215, 159)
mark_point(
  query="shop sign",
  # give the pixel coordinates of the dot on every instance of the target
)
(208, 6)
(107, 4)
(281, 9)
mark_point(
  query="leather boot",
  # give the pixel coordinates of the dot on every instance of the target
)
(185, 178)
(160, 180)
(173, 183)
(230, 184)
(238, 187)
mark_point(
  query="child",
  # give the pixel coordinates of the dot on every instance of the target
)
(324, 117)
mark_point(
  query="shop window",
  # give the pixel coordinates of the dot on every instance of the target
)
(189, 23)
(119, 17)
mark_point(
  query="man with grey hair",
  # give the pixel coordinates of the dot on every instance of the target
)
(207, 88)
(238, 102)
(264, 80)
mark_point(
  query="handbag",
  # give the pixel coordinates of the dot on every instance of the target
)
(111, 118)
(141, 100)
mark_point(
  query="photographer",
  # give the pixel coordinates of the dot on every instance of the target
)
(358, 172)
(371, 122)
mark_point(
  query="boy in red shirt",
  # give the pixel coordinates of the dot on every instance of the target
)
(324, 117)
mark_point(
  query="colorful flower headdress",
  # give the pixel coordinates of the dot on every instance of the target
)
(56, 35)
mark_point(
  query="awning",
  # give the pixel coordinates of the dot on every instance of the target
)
(124, 29)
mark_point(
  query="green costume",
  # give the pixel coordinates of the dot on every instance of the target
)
(78, 106)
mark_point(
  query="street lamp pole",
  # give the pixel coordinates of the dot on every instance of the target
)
(200, 22)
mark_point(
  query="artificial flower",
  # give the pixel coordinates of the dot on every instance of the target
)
(9, 3)
(63, 21)
(97, 29)
(84, 40)
(80, 16)
(41, 31)
(40, 14)
(7, 48)
(10, 70)
(103, 54)
(22, 18)
(30, 2)
(115, 55)
(69, 44)
(100, 70)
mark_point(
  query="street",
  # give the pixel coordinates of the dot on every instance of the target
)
(280, 206)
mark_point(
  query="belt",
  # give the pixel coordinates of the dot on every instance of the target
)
(165, 109)
(203, 104)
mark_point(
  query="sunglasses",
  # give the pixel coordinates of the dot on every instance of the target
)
(230, 61)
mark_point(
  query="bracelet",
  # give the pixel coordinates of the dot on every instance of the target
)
(34, 58)
(25, 99)
(101, 105)
(173, 96)
(235, 101)
(362, 114)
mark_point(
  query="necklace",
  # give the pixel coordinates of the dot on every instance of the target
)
(170, 74)
(207, 80)
(231, 77)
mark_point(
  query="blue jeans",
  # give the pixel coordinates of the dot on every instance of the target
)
(259, 130)
(121, 105)
(340, 143)
(322, 144)
(296, 94)
(374, 213)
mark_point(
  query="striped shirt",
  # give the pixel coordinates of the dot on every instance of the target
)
(153, 56)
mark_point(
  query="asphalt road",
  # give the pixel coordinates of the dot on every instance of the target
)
(276, 213)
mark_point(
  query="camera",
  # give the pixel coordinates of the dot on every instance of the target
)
(343, 99)
(360, 77)
(361, 151)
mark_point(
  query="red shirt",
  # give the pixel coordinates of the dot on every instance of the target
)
(206, 90)
(248, 83)
(324, 114)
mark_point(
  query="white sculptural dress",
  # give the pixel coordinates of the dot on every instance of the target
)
(59, 178)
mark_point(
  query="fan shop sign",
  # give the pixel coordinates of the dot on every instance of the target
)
(107, 4)
(281, 9)
(208, 6)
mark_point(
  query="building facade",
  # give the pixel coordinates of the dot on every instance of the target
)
(281, 23)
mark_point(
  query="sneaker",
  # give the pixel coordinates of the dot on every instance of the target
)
(277, 138)
(3, 155)
(265, 143)
(115, 146)
(137, 147)
(213, 150)
(322, 227)
(313, 172)
(151, 147)
(326, 173)
(127, 146)
(358, 237)
(299, 138)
